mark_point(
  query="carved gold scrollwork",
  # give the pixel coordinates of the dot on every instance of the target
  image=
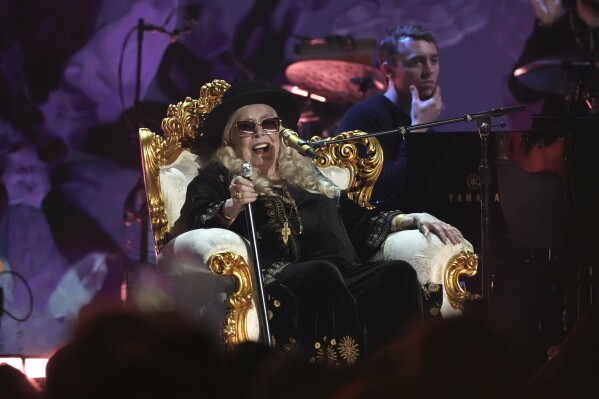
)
(463, 264)
(151, 145)
(180, 128)
(211, 95)
(362, 157)
(183, 120)
(240, 302)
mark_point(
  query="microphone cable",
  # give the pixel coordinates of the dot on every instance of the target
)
(29, 293)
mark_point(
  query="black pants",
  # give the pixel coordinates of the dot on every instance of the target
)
(314, 314)
(389, 299)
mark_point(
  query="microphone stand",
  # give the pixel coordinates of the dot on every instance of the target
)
(483, 120)
(261, 299)
(143, 216)
(143, 249)
(138, 191)
(141, 27)
(486, 274)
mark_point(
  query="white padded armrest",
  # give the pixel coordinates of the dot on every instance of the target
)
(186, 256)
(190, 251)
(429, 257)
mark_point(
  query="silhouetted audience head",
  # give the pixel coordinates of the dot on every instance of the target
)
(458, 357)
(573, 369)
(294, 377)
(129, 354)
(261, 372)
(244, 363)
(15, 385)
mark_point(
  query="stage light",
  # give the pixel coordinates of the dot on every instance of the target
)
(519, 71)
(35, 367)
(14, 361)
(32, 367)
(296, 90)
(304, 93)
(318, 98)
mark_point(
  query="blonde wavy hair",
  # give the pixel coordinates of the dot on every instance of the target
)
(292, 167)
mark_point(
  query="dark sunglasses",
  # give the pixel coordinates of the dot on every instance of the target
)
(248, 128)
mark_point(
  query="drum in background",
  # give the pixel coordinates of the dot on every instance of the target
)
(533, 151)
(318, 117)
(329, 75)
(531, 175)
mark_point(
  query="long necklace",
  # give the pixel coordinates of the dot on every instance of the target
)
(286, 230)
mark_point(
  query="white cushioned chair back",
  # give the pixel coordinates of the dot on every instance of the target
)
(174, 179)
(339, 176)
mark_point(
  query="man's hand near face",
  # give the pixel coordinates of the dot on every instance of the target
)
(425, 111)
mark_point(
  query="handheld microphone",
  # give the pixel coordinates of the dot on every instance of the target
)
(291, 139)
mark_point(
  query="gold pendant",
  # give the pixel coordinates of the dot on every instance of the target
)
(285, 232)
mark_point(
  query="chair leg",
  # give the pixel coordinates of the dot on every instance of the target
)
(463, 264)
(239, 304)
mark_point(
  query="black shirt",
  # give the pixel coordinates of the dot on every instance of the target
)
(376, 114)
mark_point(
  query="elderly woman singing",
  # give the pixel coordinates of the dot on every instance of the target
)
(325, 300)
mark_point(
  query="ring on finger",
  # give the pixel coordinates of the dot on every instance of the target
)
(238, 194)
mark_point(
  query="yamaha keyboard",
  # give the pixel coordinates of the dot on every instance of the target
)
(544, 188)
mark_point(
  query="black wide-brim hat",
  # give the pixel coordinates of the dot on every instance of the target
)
(245, 93)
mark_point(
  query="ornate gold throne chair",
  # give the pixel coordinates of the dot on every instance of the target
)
(211, 269)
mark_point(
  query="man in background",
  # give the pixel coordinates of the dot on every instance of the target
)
(409, 59)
